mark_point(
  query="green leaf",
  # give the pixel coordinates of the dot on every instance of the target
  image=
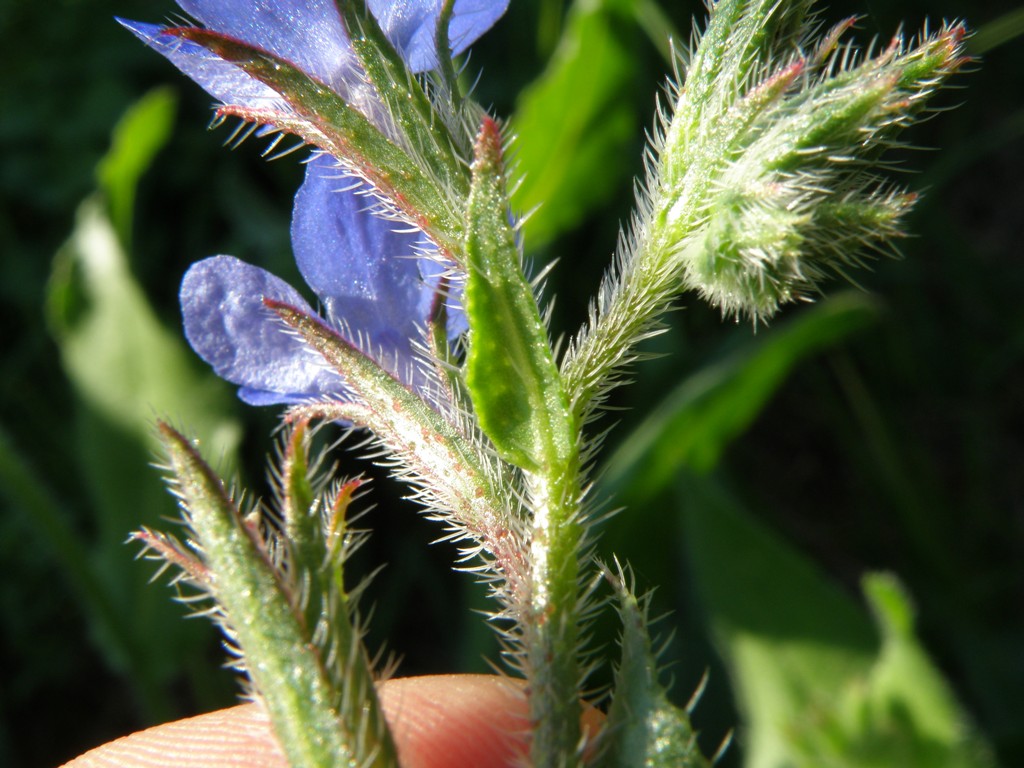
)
(816, 685)
(696, 422)
(997, 32)
(790, 638)
(644, 729)
(574, 123)
(125, 368)
(912, 708)
(521, 406)
(138, 136)
(510, 370)
(121, 359)
(24, 488)
(124, 363)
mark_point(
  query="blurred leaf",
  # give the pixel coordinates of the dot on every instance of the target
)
(119, 356)
(136, 139)
(126, 368)
(790, 638)
(693, 425)
(997, 32)
(26, 489)
(662, 33)
(816, 688)
(574, 122)
(906, 689)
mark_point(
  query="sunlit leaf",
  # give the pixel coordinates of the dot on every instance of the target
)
(576, 121)
(136, 139)
(126, 368)
(816, 685)
(510, 370)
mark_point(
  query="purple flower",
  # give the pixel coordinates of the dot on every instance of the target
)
(310, 35)
(370, 287)
(375, 284)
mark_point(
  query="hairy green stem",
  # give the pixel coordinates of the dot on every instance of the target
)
(316, 724)
(632, 303)
(519, 398)
(553, 632)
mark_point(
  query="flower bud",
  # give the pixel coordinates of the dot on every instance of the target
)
(777, 193)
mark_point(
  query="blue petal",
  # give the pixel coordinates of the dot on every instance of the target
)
(361, 266)
(247, 344)
(219, 78)
(363, 269)
(308, 33)
(411, 26)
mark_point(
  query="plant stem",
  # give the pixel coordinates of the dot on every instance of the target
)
(553, 626)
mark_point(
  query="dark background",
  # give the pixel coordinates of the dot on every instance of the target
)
(899, 448)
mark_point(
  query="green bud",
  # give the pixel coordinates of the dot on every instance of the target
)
(766, 192)
(762, 179)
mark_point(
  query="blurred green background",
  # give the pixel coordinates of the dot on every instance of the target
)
(765, 473)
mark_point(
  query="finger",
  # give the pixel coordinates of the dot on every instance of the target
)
(457, 721)
(238, 737)
(449, 721)
(464, 721)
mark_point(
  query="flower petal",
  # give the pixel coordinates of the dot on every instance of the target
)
(363, 269)
(308, 33)
(367, 271)
(411, 26)
(221, 79)
(245, 343)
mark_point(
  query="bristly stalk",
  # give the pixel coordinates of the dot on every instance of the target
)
(644, 729)
(446, 69)
(518, 398)
(318, 539)
(761, 177)
(424, 193)
(423, 131)
(455, 477)
(285, 607)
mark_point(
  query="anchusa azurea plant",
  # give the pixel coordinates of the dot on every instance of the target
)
(762, 180)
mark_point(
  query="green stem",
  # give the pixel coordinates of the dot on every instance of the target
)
(520, 401)
(316, 725)
(553, 627)
(634, 301)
